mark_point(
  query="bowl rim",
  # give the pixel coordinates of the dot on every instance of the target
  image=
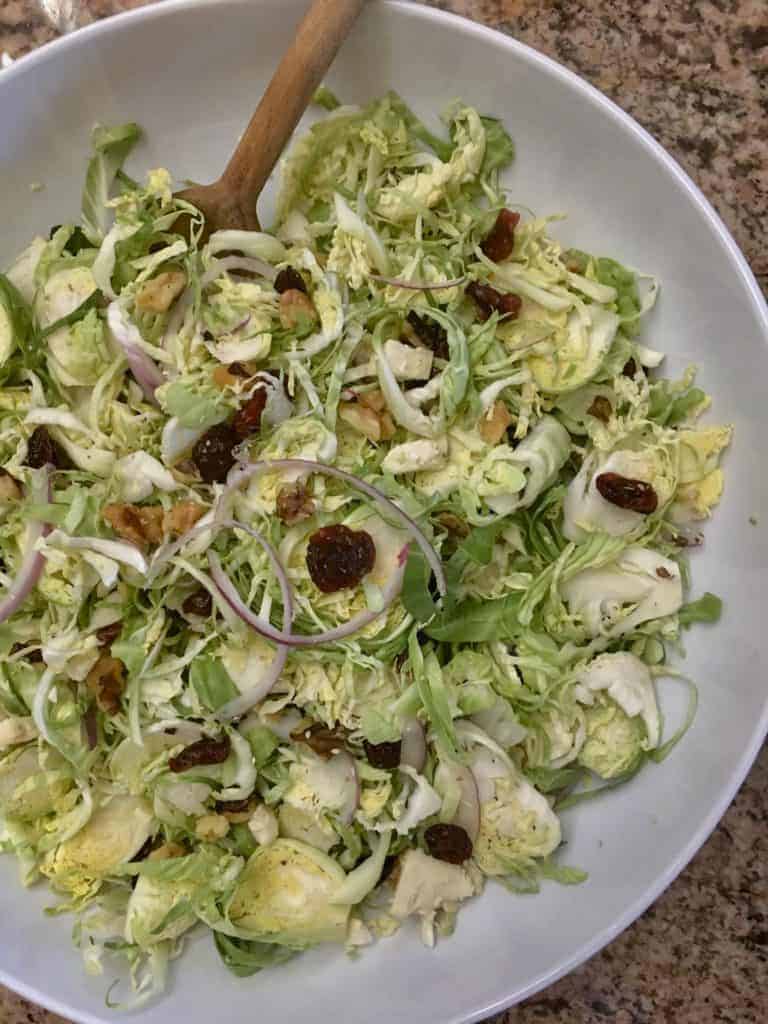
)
(501, 1000)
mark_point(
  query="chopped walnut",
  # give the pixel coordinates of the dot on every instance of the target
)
(453, 524)
(228, 376)
(222, 378)
(601, 409)
(211, 827)
(183, 516)
(10, 488)
(294, 503)
(387, 427)
(141, 525)
(360, 418)
(106, 681)
(373, 400)
(296, 309)
(369, 416)
(167, 852)
(493, 426)
(159, 293)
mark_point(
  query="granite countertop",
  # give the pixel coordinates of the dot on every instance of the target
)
(695, 74)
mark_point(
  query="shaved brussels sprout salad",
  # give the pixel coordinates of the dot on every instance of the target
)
(335, 560)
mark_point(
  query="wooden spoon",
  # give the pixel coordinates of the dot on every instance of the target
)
(231, 201)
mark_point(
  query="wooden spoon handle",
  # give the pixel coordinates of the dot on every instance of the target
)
(324, 28)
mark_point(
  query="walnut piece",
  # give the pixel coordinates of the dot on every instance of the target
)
(141, 525)
(183, 516)
(159, 293)
(106, 681)
(493, 426)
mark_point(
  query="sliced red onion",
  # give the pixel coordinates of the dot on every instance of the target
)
(241, 474)
(413, 746)
(147, 373)
(229, 592)
(417, 286)
(248, 263)
(33, 562)
(242, 704)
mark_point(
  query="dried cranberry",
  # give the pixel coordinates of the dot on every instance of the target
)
(321, 739)
(290, 280)
(625, 492)
(42, 450)
(294, 503)
(213, 453)
(205, 751)
(238, 370)
(199, 603)
(500, 242)
(448, 842)
(248, 419)
(236, 806)
(488, 300)
(34, 657)
(108, 634)
(510, 305)
(338, 557)
(601, 409)
(431, 334)
(383, 755)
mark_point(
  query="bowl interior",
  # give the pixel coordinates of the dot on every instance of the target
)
(191, 75)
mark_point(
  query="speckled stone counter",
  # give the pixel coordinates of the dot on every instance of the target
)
(695, 74)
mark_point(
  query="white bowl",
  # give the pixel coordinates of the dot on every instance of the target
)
(191, 74)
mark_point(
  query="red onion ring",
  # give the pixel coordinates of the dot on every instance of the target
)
(147, 373)
(417, 286)
(33, 563)
(240, 475)
(229, 592)
(242, 704)
(413, 747)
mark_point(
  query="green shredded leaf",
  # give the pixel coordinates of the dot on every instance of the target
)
(326, 99)
(244, 958)
(111, 148)
(477, 621)
(94, 301)
(418, 129)
(708, 608)
(211, 682)
(415, 594)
